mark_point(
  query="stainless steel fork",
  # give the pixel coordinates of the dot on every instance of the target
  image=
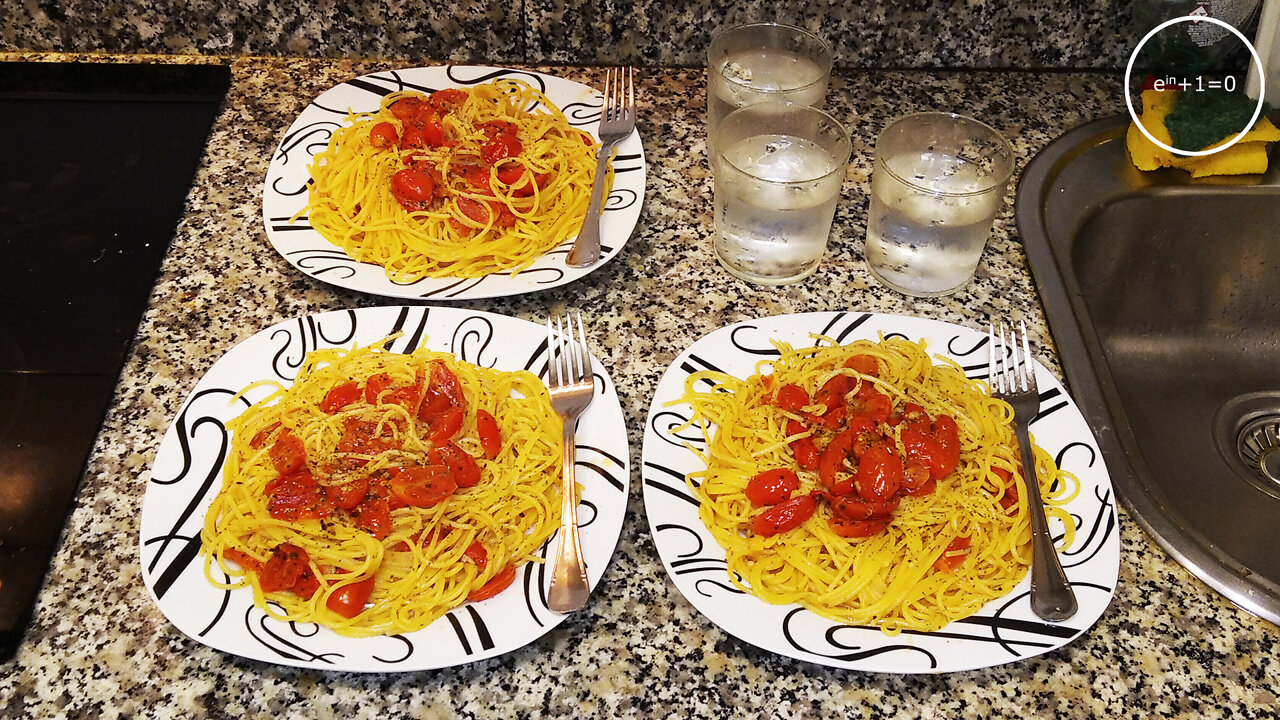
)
(617, 121)
(572, 385)
(1052, 598)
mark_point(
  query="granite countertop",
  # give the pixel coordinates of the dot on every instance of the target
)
(1167, 646)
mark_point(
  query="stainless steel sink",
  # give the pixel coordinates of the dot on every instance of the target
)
(1163, 296)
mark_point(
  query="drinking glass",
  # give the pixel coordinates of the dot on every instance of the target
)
(778, 169)
(764, 62)
(938, 182)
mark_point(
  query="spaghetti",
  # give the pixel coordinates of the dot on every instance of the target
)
(463, 182)
(867, 484)
(382, 489)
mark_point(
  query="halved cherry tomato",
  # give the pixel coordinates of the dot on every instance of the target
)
(476, 553)
(466, 472)
(412, 186)
(242, 558)
(791, 398)
(349, 600)
(1010, 497)
(445, 425)
(287, 454)
(509, 173)
(421, 486)
(474, 210)
(377, 384)
(406, 107)
(831, 462)
(771, 486)
(383, 135)
(875, 406)
(856, 528)
(785, 516)
(446, 98)
(850, 509)
(442, 393)
(496, 584)
(263, 435)
(374, 516)
(340, 396)
(832, 392)
(804, 449)
(954, 555)
(865, 364)
(349, 494)
(297, 496)
(879, 474)
(288, 569)
(361, 437)
(490, 435)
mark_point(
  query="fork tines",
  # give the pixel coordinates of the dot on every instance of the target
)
(1015, 373)
(566, 354)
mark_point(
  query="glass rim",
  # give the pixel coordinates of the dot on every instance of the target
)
(995, 185)
(841, 164)
(826, 47)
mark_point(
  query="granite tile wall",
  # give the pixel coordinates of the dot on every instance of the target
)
(902, 34)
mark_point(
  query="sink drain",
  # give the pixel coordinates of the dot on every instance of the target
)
(1247, 432)
(1259, 447)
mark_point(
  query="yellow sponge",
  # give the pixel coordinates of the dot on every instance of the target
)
(1247, 157)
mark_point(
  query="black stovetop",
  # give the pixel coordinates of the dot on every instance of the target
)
(94, 171)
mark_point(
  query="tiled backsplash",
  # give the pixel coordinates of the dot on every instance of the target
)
(1021, 34)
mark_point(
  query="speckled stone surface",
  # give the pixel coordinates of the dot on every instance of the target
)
(99, 648)
(944, 33)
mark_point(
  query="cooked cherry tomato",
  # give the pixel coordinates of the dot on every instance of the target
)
(287, 454)
(474, 210)
(383, 135)
(421, 486)
(374, 516)
(831, 462)
(501, 147)
(490, 435)
(377, 384)
(242, 558)
(297, 496)
(406, 107)
(832, 392)
(340, 396)
(876, 406)
(412, 186)
(791, 398)
(915, 475)
(444, 426)
(856, 528)
(361, 437)
(288, 569)
(448, 97)
(509, 173)
(785, 516)
(938, 446)
(442, 393)
(1010, 497)
(771, 486)
(496, 584)
(953, 557)
(349, 600)
(804, 449)
(879, 474)
(263, 435)
(349, 494)
(476, 553)
(850, 509)
(466, 472)
(865, 364)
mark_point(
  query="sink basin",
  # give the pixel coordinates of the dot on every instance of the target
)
(1163, 297)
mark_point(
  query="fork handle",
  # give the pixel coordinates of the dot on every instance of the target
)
(586, 249)
(1052, 598)
(569, 589)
